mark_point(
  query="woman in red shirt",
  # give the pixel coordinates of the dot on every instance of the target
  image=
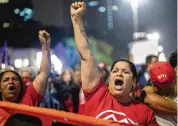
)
(112, 102)
(11, 85)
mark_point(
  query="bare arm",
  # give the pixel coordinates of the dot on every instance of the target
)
(159, 104)
(89, 71)
(40, 82)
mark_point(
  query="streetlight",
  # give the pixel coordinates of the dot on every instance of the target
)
(134, 4)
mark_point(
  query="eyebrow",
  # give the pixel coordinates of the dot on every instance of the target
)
(122, 69)
(10, 77)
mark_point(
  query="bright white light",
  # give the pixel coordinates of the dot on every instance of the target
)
(38, 59)
(135, 35)
(56, 63)
(25, 62)
(115, 8)
(3, 65)
(101, 9)
(93, 3)
(18, 63)
(156, 36)
(150, 36)
(160, 48)
(162, 57)
(134, 4)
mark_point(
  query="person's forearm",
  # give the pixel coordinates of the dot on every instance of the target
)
(81, 39)
(45, 62)
(163, 110)
(161, 105)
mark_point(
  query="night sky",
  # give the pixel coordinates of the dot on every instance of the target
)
(154, 16)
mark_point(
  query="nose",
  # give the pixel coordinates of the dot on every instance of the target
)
(120, 73)
(10, 80)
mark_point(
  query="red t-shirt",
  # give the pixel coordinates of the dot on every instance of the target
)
(31, 97)
(101, 104)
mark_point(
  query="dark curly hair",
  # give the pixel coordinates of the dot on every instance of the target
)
(21, 84)
(173, 59)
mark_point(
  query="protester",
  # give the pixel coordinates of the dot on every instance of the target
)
(28, 74)
(77, 75)
(67, 91)
(11, 84)
(103, 72)
(161, 95)
(112, 102)
(144, 72)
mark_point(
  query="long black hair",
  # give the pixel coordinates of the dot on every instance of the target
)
(21, 85)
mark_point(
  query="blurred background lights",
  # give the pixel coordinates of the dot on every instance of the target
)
(150, 36)
(4, 1)
(134, 4)
(16, 11)
(57, 64)
(115, 8)
(38, 59)
(22, 13)
(3, 65)
(156, 35)
(153, 36)
(162, 57)
(101, 9)
(93, 3)
(160, 48)
(55, 61)
(25, 62)
(5, 25)
(18, 63)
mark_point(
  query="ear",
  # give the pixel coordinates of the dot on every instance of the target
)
(135, 80)
(134, 83)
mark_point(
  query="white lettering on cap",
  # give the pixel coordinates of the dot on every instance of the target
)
(162, 76)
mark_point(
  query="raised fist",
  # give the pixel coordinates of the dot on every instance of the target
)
(77, 9)
(44, 38)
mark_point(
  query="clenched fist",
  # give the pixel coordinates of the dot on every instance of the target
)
(44, 38)
(77, 9)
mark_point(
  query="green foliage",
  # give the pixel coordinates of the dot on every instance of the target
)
(100, 49)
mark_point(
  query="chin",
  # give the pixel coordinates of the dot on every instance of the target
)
(11, 98)
(117, 93)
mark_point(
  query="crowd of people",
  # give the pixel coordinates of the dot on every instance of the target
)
(92, 89)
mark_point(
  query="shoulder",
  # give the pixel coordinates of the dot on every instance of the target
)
(140, 106)
(31, 96)
(99, 91)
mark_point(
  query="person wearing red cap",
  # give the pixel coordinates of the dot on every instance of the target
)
(112, 102)
(162, 95)
(103, 71)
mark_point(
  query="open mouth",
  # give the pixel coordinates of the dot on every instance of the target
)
(12, 88)
(118, 82)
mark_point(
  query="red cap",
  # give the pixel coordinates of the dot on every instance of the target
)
(102, 65)
(162, 74)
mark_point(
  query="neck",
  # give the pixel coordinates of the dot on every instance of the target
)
(124, 99)
(8, 100)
